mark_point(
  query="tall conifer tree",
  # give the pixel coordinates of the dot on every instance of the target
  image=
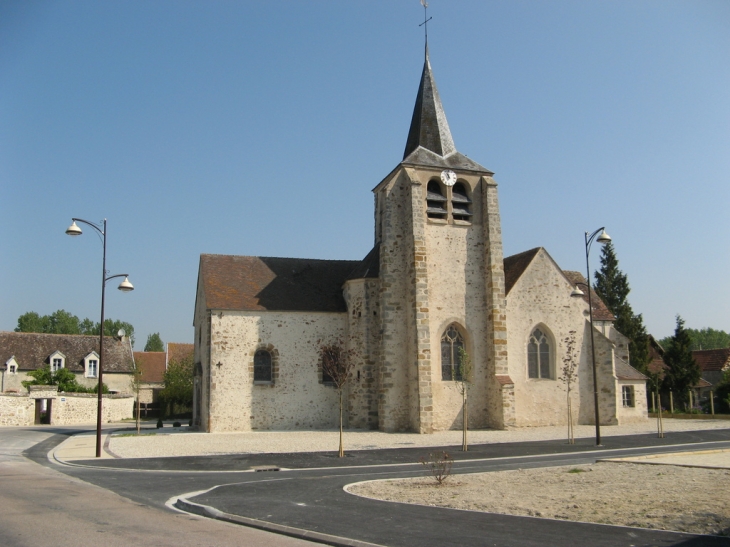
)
(612, 286)
(683, 372)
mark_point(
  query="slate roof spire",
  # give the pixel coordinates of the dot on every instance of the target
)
(429, 128)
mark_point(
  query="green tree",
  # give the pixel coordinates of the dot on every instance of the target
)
(683, 372)
(612, 286)
(62, 322)
(178, 390)
(154, 343)
(63, 378)
(722, 391)
(706, 338)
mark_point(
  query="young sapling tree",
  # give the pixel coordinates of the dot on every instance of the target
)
(568, 375)
(463, 383)
(337, 366)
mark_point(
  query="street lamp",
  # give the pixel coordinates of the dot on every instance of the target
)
(603, 238)
(124, 286)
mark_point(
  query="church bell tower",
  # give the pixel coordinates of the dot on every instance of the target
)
(437, 229)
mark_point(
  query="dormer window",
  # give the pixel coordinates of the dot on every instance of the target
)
(91, 365)
(460, 202)
(11, 365)
(57, 361)
(435, 201)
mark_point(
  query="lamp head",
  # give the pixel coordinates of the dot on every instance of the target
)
(126, 286)
(73, 230)
(604, 237)
(577, 292)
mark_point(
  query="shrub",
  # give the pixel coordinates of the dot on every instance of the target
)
(439, 466)
(159, 423)
(176, 424)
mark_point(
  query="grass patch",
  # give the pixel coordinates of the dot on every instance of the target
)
(577, 470)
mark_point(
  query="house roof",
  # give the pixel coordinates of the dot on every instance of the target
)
(32, 350)
(600, 311)
(369, 267)
(712, 360)
(259, 283)
(152, 365)
(624, 371)
(515, 266)
(177, 351)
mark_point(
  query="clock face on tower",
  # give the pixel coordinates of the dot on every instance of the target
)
(448, 177)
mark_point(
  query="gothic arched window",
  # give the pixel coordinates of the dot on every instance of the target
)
(451, 342)
(262, 366)
(538, 355)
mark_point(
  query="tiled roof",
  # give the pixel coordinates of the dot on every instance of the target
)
(515, 266)
(32, 350)
(178, 352)
(369, 267)
(267, 283)
(152, 365)
(656, 353)
(624, 371)
(600, 311)
(712, 360)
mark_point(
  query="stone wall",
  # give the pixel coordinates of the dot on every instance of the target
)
(541, 298)
(397, 371)
(16, 410)
(640, 411)
(66, 408)
(296, 399)
(363, 340)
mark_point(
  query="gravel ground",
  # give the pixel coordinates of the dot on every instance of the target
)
(663, 497)
(180, 442)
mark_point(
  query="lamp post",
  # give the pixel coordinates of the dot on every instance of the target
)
(124, 286)
(602, 238)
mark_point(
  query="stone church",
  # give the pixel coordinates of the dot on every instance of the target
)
(435, 281)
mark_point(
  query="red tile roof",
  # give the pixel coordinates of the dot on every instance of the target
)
(179, 352)
(600, 311)
(515, 266)
(712, 360)
(32, 350)
(152, 365)
(266, 283)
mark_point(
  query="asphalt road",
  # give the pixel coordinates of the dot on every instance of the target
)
(41, 507)
(307, 493)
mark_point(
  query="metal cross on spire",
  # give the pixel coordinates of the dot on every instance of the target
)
(426, 19)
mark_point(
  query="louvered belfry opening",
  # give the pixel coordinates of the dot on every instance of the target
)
(460, 202)
(435, 201)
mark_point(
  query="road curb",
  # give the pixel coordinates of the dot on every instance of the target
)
(298, 533)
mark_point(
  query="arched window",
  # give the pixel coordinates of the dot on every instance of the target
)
(435, 201)
(460, 202)
(538, 355)
(262, 366)
(451, 342)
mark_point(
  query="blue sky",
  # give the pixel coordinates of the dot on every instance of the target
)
(260, 128)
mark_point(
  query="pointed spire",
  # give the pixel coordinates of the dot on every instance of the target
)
(429, 128)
